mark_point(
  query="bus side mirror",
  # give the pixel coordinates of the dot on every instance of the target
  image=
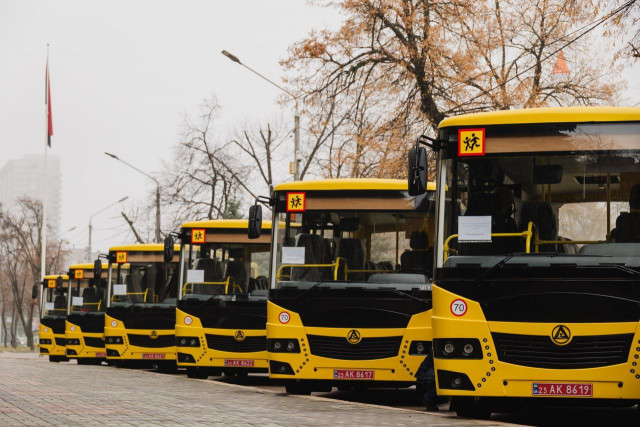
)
(59, 282)
(417, 168)
(97, 270)
(34, 291)
(169, 250)
(255, 221)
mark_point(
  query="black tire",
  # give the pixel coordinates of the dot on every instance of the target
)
(215, 372)
(468, 407)
(197, 373)
(300, 389)
(57, 359)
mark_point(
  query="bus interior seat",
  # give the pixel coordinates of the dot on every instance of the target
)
(89, 295)
(627, 228)
(316, 251)
(352, 250)
(260, 283)
(567, 249)
(541, 214)
(212, 273)
(420, 257)
(59, 302)
(386, 266)
(239, 271)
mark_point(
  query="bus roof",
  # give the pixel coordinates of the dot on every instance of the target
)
(222, 223)
(142, 247)
(86, 266)
(55, 276)
(545, 115)
(349, 184)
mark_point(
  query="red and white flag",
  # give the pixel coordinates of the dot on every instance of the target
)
(47, 102)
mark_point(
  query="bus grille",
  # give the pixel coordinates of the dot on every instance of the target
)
(582, 352)
(229, 343)
(61, 341)
(94, 342)
(147, 341)
(367, 348)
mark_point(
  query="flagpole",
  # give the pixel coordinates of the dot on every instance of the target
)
(43, 248)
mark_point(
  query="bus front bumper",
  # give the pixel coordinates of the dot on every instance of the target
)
(230, 348)
(157, 345)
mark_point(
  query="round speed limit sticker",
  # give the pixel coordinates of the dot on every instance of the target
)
(284, 317)
(458, 307)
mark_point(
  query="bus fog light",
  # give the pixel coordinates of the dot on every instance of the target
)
(449, 348)
(468, 349)
(457, 382)
(282, 369)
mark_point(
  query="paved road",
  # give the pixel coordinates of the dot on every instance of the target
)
(36, 392)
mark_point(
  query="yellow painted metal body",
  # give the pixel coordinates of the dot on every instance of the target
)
(53, 349)
(211, 358)
(401, 368)
(128, 352)
(83, 350)
(493, 378)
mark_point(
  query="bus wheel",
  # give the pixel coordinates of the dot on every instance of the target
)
(468, 407)
(298, 388)
(197, 373)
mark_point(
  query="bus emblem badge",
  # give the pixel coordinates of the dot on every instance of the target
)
(561, 335)
(239, 336)
(153, 335)
(353, 336)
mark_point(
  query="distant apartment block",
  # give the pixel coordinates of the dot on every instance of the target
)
(24, 177)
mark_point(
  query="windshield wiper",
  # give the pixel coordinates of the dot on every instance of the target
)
(497, 266)
(308, 290)
(616, 266)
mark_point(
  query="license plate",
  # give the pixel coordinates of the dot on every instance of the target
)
(352, 374)
(101, 354)
(153, 355)
(557, 389)
(239, 362)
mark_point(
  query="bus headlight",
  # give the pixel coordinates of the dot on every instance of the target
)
(283, 345)
(188, 341)
(419, 348)
(457, 348)
(113, 340)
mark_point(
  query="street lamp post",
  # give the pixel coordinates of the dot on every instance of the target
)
(296, 117)
(158, 233)
(91, 226)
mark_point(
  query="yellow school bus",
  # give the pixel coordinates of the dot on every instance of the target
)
(84, 327)
(53, 312)
(537, 268)
(139, 323)
(350, 295)
(222, 306)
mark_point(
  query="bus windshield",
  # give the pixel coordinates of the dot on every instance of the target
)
(354, 249)
(218, 269)
(86, 296)
(544, 195)
(143, 283)
(55, 299)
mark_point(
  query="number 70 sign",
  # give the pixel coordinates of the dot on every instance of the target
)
(458, 307)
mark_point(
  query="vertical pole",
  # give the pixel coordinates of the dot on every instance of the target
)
(158, 234)
(296, 144)
(43, 242)
(89, 247)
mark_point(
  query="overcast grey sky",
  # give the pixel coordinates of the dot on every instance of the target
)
(122, 75)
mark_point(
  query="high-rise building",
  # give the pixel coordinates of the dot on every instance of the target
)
(24, 177)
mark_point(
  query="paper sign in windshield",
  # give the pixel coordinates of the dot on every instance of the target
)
(77, 301)
(474, 229)
(119, 289)
(292, 255)
(195, 276)
(48, 306)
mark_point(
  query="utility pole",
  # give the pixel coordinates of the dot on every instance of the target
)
(296, 117)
